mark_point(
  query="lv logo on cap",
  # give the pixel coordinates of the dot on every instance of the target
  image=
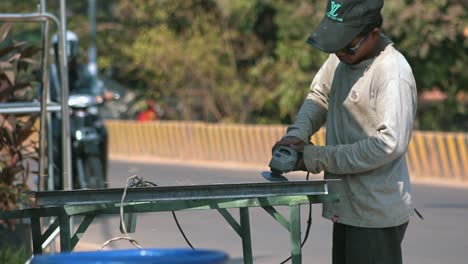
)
(333, 9)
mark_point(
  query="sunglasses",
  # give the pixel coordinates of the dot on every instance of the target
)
(352, 50)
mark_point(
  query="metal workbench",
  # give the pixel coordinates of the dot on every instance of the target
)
(62, 205)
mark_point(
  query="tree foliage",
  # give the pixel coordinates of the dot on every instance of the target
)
(230, 61)
(433, 35)
(247, 60)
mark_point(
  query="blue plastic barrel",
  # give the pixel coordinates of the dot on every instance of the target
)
(140, 256)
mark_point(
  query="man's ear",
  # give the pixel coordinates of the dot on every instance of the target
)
(375, 32)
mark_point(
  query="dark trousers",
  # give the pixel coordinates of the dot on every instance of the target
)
(357, 245)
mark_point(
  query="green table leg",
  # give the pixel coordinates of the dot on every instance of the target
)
(129, 222)
(295, 215)
(36, 235)
(65, 233)
(245, 234)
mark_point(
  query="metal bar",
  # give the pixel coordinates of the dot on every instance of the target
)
(54, 223)
(277, 216)
(51, 238)
(50, 145)
(180, 193)
(36, 235)
(246, 238)
(50, 230)
(23, 108)
(28, 17)
(43, 118)
(156, 206)
(66, 157)
(65, 233)
(50, 156)
(231, 221)
(81, 229)
(92, 50)
(295, 233)
(30, 212)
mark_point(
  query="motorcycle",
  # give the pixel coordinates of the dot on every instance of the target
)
(88, 141)
(88, 133)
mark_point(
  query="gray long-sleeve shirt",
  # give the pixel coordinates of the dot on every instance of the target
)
(369, 110)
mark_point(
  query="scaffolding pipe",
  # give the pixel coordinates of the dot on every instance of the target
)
(50, 152)
(44, 96)
(66, 158)
(50, 157)
(92, 50)
(44, 17)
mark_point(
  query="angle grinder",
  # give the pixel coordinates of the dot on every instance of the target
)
(283, 160)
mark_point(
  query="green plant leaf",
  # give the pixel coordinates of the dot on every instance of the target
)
(18, 87)
(30, 52)
(7, 69)
(11, 129)
(26, 130)
(23, 64)
(14, 57)
(8, 49)
(4, 30)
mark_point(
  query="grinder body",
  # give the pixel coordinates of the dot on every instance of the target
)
(284, 159)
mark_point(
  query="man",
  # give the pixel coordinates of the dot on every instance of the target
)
(366, 94)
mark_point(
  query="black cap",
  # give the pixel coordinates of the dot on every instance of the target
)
(343, 21)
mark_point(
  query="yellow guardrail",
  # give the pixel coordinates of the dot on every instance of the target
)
(431, 155)
(439, 155)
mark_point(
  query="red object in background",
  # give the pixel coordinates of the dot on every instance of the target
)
(147, 115)
(150, 113)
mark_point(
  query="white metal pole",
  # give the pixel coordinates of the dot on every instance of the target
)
(43, 131)
(92, 50)
(66, 154)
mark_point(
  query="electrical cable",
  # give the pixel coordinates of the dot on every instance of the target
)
(182, 231)
(176, 221)
(309, 224)
(136, 181)
(124, 229)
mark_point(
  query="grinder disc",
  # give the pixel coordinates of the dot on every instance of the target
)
(273, 176)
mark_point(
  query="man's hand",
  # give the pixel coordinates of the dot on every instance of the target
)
(290, 141)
